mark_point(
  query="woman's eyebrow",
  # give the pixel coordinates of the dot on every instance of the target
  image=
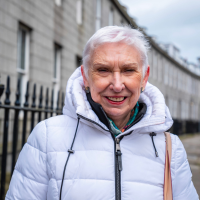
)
(130, 64)
(135, 65)
(100, 65)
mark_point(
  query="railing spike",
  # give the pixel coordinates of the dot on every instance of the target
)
(17, 102)
(41, 97)
(58, 100)
(26, 104)
(7, 100)
(52, 98)
(63, 99)
(34, 96)
(2, 87)
(47, 98)
(46, 103)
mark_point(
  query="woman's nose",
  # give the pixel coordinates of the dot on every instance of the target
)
(117, 83)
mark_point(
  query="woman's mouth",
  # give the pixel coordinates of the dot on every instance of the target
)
(116, 100)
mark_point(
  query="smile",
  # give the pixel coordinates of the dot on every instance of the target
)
(116, 99)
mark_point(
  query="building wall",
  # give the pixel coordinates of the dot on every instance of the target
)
(50, 24)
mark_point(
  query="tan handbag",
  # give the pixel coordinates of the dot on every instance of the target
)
(167, 177)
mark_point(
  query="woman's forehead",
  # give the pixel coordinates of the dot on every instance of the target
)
(120, 53)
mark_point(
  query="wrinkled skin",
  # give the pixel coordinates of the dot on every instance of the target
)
(115, 71)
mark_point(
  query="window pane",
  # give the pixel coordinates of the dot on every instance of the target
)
(22, 48)
(57, 58)
(78, 61)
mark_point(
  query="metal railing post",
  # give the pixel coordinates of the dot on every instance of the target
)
(5, 141)
(40, 104)
(33, 106)
(15, 129)
(7, 107)
(26, 104)
(58, 102)
(52, 101)
(46, 103)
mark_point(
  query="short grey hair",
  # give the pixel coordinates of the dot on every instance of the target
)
(115, 34)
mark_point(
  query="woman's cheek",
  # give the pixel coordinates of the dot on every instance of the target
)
(100, 84)
(133, 85)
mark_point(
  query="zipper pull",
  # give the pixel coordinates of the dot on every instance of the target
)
(119, 154)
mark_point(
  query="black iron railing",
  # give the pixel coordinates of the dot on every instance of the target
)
(38, 113)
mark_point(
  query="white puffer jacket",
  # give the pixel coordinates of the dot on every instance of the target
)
(90, 171)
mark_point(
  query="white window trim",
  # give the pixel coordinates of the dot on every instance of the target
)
(56, 81)
(79, 12)
(111, 17)
(25, 71)
(58, 2)
(98, 14)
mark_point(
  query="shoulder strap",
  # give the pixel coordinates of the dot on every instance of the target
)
(167, 177)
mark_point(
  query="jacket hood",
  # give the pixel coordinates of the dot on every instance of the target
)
(156, 119)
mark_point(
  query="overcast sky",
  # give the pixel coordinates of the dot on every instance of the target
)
(171, 21)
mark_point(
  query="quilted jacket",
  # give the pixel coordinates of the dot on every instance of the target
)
(93, 171)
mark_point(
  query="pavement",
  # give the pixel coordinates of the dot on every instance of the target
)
(192, 147)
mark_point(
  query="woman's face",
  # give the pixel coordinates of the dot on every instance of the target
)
(115, 78)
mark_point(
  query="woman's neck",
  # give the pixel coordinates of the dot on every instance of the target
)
(122, 121)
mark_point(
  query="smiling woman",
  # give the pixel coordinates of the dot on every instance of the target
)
(110, 141)
(115, 79)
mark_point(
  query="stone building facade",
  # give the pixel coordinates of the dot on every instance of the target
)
(42, 41)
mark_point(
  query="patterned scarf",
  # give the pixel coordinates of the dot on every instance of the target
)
(114, 128)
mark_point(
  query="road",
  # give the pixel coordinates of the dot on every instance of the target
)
(192, 147)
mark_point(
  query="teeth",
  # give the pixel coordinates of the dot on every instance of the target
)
(116, 99)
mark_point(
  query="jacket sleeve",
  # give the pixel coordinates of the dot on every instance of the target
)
(30, 180)
(183, 188)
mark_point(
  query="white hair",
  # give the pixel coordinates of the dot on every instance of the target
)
(115, 34)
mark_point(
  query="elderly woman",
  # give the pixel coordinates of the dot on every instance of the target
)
(110, 142)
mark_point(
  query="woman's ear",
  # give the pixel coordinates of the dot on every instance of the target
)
(84, 77)
(145, 79)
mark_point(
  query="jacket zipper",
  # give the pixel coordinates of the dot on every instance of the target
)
(117, 158)
(118, 164)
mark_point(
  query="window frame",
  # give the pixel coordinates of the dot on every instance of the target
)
(23, 72)
(98, 14)
(56, 71)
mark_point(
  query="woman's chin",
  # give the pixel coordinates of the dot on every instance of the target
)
(115, 112)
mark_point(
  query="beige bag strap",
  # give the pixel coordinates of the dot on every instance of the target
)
(167, 177)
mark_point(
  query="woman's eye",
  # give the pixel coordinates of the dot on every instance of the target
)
(102, 70)
(129, 70)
